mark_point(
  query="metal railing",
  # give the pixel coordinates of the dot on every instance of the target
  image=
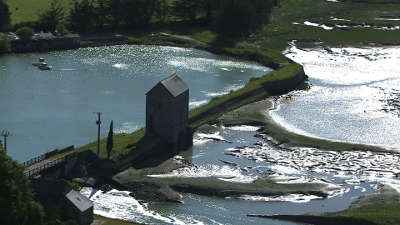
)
(34, 160)
(50, 164)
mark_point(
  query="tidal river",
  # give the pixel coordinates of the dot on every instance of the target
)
(353, 98)
(338, 105)
(52, 109)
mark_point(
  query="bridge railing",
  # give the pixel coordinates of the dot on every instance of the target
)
(37, 170)
(34, 160)
(47, 155)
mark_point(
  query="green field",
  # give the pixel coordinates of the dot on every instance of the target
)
(281, 29)
(29, 10)
(381, 209)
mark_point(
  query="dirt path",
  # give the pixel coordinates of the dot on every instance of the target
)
(185, 37)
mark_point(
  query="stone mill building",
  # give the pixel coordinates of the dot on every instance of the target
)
(167, 110)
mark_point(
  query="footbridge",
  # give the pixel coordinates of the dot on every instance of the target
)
(49, 160)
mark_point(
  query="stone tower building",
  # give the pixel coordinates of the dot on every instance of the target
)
(167, 110)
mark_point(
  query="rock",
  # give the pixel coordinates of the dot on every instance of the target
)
(171, 195)
(85, 181)
(228, 163)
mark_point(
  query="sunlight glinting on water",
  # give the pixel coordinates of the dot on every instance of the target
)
(353, 95)
(119, 205)
(225, 173)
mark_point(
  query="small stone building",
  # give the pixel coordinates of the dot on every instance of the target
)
(167, 110)
(79, 208)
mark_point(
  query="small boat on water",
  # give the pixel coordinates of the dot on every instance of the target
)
(42, 65)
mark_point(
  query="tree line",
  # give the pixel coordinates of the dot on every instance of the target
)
(229, 17)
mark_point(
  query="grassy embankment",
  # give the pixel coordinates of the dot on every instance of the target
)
(378, 213)
(377, 209)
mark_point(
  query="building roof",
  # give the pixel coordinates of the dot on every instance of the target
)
(81, 202)
(174, 84)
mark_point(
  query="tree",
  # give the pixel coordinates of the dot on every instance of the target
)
(53, 16)
(162, 10)
(102, 12)
(5, 47)
(110, 142)
(208, 7)
(137, 13)
(16, 198)
(239, 18)
(186, 9)
(25, 32)
(115, 7)
(82, 16)
(4, 16)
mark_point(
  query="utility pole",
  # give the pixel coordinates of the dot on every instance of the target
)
(5, 134)
(98, 122)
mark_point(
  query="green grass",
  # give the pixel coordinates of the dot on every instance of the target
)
(122, 142)
(382, 214)
(28, 10)
(382, 209)
(282, 30)
(109, 221)
(252, 85)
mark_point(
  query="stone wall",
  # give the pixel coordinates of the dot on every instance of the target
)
(45, 45)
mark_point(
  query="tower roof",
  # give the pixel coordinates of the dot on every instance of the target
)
(174, 84)
(80, 201)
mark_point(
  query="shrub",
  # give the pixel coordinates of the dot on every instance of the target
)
(5, 47)
(25, 32)
(17, 202)
(61, 29)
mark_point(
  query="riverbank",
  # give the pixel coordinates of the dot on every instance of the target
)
(258, 114)
(381, 208)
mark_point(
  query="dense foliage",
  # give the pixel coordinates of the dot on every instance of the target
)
(16, 198)
(4, 16)
(237, 17)
(25, 32)
(5, 47)
(53, 16)
(227, 17)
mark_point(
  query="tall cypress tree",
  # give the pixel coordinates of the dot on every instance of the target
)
(110, 142)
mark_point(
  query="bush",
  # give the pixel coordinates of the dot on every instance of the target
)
(25, 32)
(61, 29)
(17, 202)
(5, 47)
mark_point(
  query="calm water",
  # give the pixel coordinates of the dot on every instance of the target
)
(54, 109)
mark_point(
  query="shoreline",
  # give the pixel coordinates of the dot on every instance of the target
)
(254, 113)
